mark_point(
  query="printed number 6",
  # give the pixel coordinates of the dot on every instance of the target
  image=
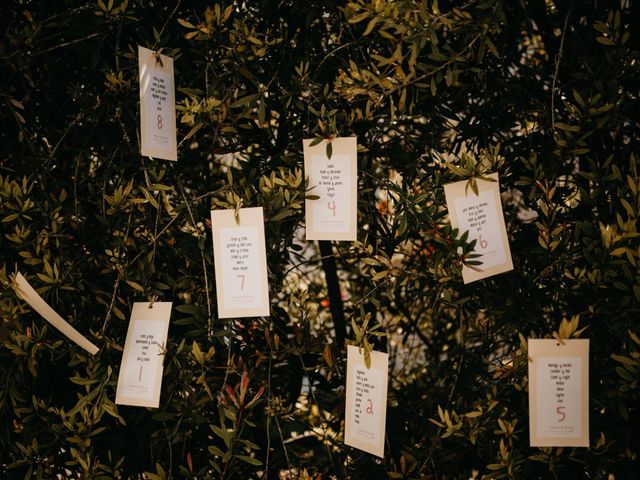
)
(483, 243)
(159, 122)
(560, 411)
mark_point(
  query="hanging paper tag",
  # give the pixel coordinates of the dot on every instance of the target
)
(480, 215)
(366, 402)
(239, 252)
(29, 295)
(157, 105)
(334, 216)
(140, 378)
(559, 393)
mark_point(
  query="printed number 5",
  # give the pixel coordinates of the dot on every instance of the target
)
(560, 411)
(332, 206)
(241, 277)
(159, 122)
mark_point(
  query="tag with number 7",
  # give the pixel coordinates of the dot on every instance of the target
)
(240, 258)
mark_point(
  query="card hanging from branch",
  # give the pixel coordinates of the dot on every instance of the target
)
(331, 166)
(478, 210)
(140, 376)
(366, 400)
(558, 392)
(157, 105)
(239, 252)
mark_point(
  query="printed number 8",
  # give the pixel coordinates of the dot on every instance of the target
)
(560, 411)
(159, 122)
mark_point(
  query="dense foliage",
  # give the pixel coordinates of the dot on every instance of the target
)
(543, 92)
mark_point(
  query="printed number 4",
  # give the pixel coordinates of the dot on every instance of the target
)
(332, 206)
(560, 412)
(241, 277)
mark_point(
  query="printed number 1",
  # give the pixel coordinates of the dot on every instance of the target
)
(241, 277)
(332, 206)
(159, 122)
(483, 243)
(560, 411)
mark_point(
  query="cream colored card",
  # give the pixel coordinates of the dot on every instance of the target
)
(366, 402)
(140, 377)
(334, 216)
(240, 258)
(29, 295)
(157, 105)
(559, 393)
(481, 215)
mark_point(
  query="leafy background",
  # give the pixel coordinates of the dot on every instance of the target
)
(543, 92)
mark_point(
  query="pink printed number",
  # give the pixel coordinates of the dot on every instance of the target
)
(483, 243)
(332, 206)
(159, 122)
(560, 411)
(369, 407)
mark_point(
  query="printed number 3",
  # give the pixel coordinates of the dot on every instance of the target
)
(159, 122)
(560, 412)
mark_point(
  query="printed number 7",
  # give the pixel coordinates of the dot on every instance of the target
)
(332, 206)
(241, 277)
(560, 411)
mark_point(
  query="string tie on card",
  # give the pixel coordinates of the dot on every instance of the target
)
(152, 300)
(236, 212)
(156, 55)
(560, 340)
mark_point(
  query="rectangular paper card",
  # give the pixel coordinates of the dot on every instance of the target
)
(334, 216)
(29, 295)
(157, 105)
(480, 215)
(240, 259)
(366, 402)
(140, 377)
(559, 393)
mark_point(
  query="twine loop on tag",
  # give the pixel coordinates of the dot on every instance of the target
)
(152, 300)
(156, 55)
(236, 212)
(560, 340)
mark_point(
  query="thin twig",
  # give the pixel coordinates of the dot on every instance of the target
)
(66, 44)
(284, 447)
(204, 268)
(165, 25)
(266, 463)
(118, 279)
(555, 74)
